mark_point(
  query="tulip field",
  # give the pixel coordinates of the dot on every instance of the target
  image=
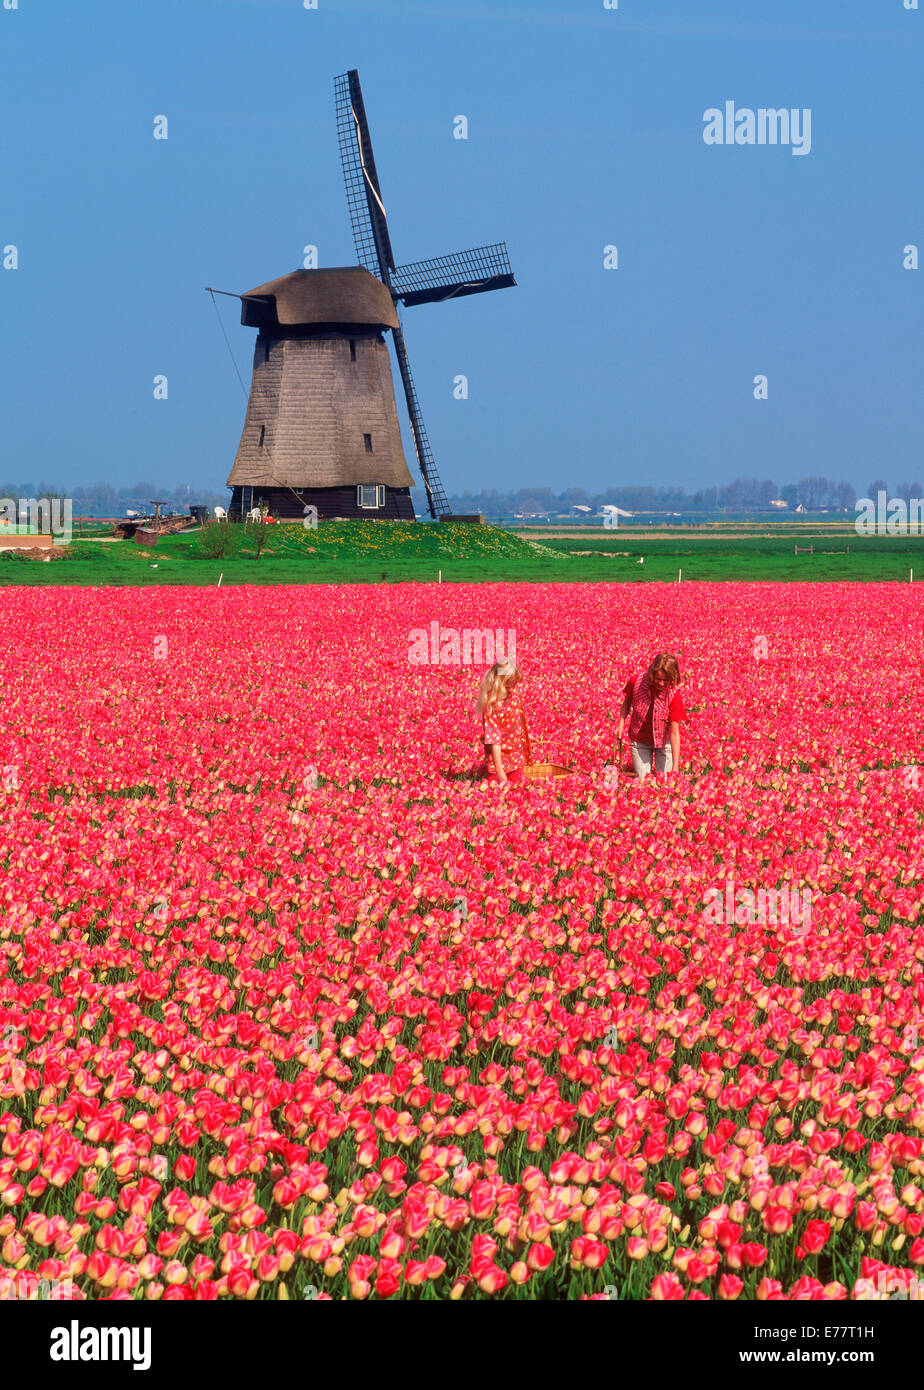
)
(292, 1006)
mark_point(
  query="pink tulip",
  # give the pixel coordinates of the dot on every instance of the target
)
(730, 1286)
(816, 1236)
(666, 1287)
(777, 1220)
(491, 1279)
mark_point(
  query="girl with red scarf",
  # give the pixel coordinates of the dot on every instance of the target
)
(653, 709)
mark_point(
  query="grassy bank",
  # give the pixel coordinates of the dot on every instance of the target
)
(395, 552)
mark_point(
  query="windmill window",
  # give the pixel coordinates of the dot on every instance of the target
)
(352, 349)
(370, 496)
(262, 435)
(367, 440)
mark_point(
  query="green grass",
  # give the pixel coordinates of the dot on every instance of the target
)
(712, 555)
(393, 552)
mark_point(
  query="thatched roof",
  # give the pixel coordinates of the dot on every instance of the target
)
(348, 294)
(311, 407)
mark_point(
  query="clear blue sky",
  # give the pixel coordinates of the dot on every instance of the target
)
(586, 129)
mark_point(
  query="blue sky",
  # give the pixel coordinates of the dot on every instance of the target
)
(585, 130)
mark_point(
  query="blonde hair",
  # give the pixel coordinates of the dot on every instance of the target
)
(667, 662)
(502, 675)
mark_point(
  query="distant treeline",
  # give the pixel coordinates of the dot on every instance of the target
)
(101, 499)
(744, 494)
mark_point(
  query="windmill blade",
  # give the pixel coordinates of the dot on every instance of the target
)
(451, 277)
(364, 196)
(436, 497)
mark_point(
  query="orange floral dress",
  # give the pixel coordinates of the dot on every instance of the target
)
(503, 724)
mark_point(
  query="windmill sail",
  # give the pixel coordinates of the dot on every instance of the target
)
(364, 196)
(423, 282)
(451, 277)
(436, 497)
(373, 247)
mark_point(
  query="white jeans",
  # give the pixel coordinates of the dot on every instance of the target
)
(642, 754)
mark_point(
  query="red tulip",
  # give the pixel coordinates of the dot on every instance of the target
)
(816, 1236)
(666, 1288)
(777, 1220)
(730, 1286)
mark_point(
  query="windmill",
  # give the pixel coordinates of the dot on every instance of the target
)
(321, 428)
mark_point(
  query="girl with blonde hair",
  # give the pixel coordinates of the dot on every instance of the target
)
(503, 722)
(653, 709)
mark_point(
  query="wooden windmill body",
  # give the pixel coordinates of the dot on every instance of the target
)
(321, 428)
(322, 425)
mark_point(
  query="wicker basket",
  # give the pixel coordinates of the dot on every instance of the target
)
(537, 771)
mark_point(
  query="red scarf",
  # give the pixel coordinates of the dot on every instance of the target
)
(642, 694)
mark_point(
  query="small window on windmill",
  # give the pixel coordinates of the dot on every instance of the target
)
(352, 349)
(262, 435)
(367, 440)
(370, 496)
